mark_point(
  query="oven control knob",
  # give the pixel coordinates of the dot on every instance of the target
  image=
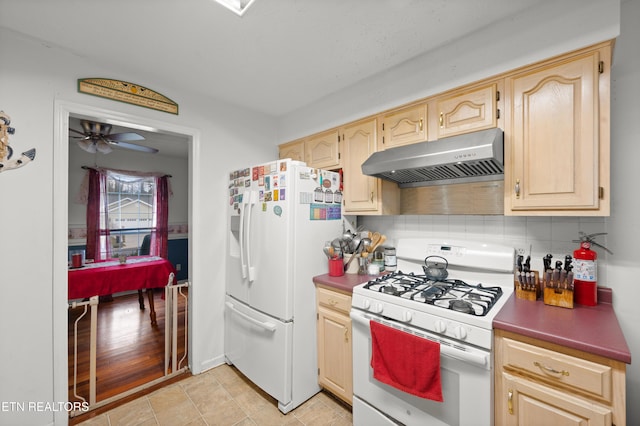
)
(440, 326)
(377, 308)
(366, 304)
(460, 332)
(407, 316)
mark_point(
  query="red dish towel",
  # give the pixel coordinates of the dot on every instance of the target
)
(406, 362)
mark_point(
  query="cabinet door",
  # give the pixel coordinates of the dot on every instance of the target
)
(323, 150)
(293, 150)
(467, 111)
(554, 137)
(405, 126)
(524, 402)
(334, 353)
(360, 191)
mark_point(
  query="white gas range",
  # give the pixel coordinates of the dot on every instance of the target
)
(455, 309)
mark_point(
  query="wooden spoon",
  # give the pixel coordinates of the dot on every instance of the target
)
(381, 241)
(375, 240)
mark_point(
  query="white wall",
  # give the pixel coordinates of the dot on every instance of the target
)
(550, 29)
(554, 28)
(35, 78)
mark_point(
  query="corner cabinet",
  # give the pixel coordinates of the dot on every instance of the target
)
(557, 136)
(542, 383)
(293, 150)
(335, 365)
(320, 150)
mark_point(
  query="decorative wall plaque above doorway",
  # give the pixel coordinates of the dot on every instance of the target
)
(127, 92)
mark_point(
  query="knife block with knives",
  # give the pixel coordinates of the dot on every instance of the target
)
(527, 285)
(558, 282)
(526, 282)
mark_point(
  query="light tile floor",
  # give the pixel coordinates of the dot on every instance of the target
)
(221, 396)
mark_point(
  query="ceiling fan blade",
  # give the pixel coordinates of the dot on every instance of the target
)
(77, 131)
(125, 137)
(134, 147)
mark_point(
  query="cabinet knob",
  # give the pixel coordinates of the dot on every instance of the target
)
(421, 124)
(441, 119)
(510, 401)
(517, 188)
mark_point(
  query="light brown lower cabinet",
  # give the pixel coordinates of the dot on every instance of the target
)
(335, 365)
(540, 383)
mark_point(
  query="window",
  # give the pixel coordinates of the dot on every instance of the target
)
(128, 213)
(123, 207)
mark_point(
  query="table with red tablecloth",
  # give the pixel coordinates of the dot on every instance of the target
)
(106, 278)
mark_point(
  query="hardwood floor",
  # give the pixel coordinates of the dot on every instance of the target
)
(130, 351)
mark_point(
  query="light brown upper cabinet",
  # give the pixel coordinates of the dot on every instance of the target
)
(364, 195)
(322, 150)
(404, 126)
(359, 142)
(467, 111)
(557, 136)
(293, 150)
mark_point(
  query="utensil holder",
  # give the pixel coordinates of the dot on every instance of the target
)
(336, 267)
(353, 266)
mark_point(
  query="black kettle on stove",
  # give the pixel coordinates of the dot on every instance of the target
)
(435, 268)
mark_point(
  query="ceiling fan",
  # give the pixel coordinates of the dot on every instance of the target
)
(96, 137)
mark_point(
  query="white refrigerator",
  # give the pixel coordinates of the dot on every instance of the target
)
(280, 215)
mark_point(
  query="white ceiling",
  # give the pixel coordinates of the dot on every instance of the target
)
(280, 56)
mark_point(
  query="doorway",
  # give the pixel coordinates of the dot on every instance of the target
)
(65, 114)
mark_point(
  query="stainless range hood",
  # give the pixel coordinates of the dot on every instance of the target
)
(472, 157)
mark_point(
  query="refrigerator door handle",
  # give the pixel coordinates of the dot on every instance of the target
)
(253, 199)
(243, 261)
(269, 326)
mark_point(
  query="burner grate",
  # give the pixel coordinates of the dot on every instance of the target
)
(450, 294)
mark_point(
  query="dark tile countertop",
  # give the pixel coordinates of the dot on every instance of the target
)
(592, 329)
(345, 283)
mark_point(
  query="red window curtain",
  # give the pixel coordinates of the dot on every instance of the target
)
(160, 235)
(95, 234)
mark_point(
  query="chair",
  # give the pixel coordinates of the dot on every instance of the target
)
(144, 250)
(145, 247)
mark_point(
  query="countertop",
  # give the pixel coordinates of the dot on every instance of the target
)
(345, 282)
(592, 329)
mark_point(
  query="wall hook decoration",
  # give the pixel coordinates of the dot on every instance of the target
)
(6, 152)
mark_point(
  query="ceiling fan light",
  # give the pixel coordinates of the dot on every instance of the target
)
(87, 145)
(103, 147)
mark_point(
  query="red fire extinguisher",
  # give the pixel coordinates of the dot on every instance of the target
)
(585, 271)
